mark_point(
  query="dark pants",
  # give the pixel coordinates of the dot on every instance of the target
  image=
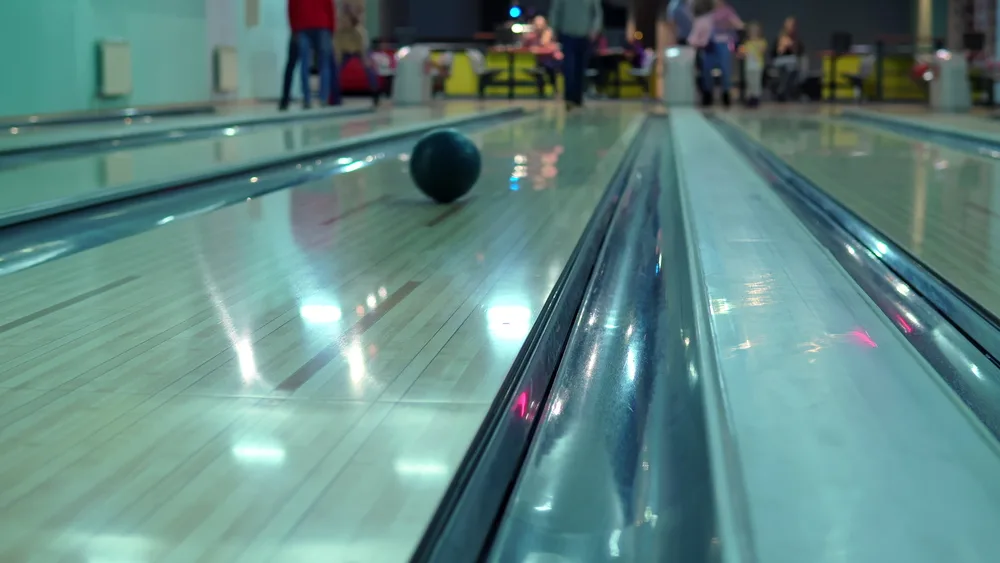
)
(575, 51)
(715, 56)
(290, 63)
(317, 41)
(335, 97)
(551, 68)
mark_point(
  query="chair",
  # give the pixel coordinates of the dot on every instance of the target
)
(644, 72)
(785, 77)
(857, 81)
(383, 69)
(485, 76)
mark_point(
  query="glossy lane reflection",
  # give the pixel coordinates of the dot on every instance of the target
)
(175, 438)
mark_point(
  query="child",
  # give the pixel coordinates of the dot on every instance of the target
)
(754, 49)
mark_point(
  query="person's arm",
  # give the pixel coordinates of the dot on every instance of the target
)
(333, 15)
(292, 12)
(598, 24)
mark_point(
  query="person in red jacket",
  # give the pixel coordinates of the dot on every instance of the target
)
(312, 23)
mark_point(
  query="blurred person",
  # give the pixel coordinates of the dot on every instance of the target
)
(351, 42)
(755, 54)
(312, 23)
(578, 23)
(604, 65)
(291, 62)
(549, 56)
(713, 32)
(542, 42)
(788, 43)
(538, 25)
(635, 53)
(788, 51)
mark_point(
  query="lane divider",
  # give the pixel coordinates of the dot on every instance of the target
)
(32, 143)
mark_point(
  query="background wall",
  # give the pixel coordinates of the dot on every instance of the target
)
(48, 50)
(865, 19)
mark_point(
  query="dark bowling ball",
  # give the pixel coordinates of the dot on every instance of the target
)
(445, 164)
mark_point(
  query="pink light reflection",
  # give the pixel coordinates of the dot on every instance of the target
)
(862, 338)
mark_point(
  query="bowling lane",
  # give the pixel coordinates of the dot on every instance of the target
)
(940, 205)
(294, 378)
(39, 182)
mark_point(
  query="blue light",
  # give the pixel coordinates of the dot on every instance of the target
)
(515, 12)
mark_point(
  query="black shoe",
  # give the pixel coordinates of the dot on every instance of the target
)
(376, 98)
(706, 99)
(725, 99)
(283, 106)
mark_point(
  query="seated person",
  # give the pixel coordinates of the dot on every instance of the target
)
(603, 64)
(548, 56)
(787, 52)
(635, 54)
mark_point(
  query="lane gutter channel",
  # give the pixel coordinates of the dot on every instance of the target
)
(468, 516)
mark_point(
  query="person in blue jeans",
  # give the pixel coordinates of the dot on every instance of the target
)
(578, 23)
(312, 23)
(319, 42)
(716, 52)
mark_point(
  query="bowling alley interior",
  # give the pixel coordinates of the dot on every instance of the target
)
(500, 281)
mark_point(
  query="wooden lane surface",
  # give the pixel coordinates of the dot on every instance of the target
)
(940, 205)
(155, 420)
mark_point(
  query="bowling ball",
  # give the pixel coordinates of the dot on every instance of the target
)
(445, 164)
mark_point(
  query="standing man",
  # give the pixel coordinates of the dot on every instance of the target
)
(312, 23)
(578, 23)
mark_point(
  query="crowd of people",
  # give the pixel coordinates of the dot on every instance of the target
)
(718, 33)
(562, 44)
(331, 39)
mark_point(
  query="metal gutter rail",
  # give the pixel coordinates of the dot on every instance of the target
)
(89, 141)
(105, 116)
(620, 468)
(464, 524)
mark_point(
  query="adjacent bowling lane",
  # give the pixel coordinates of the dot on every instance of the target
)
(980, 122)
(38, 182)
(294, 378)
(940, 205)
